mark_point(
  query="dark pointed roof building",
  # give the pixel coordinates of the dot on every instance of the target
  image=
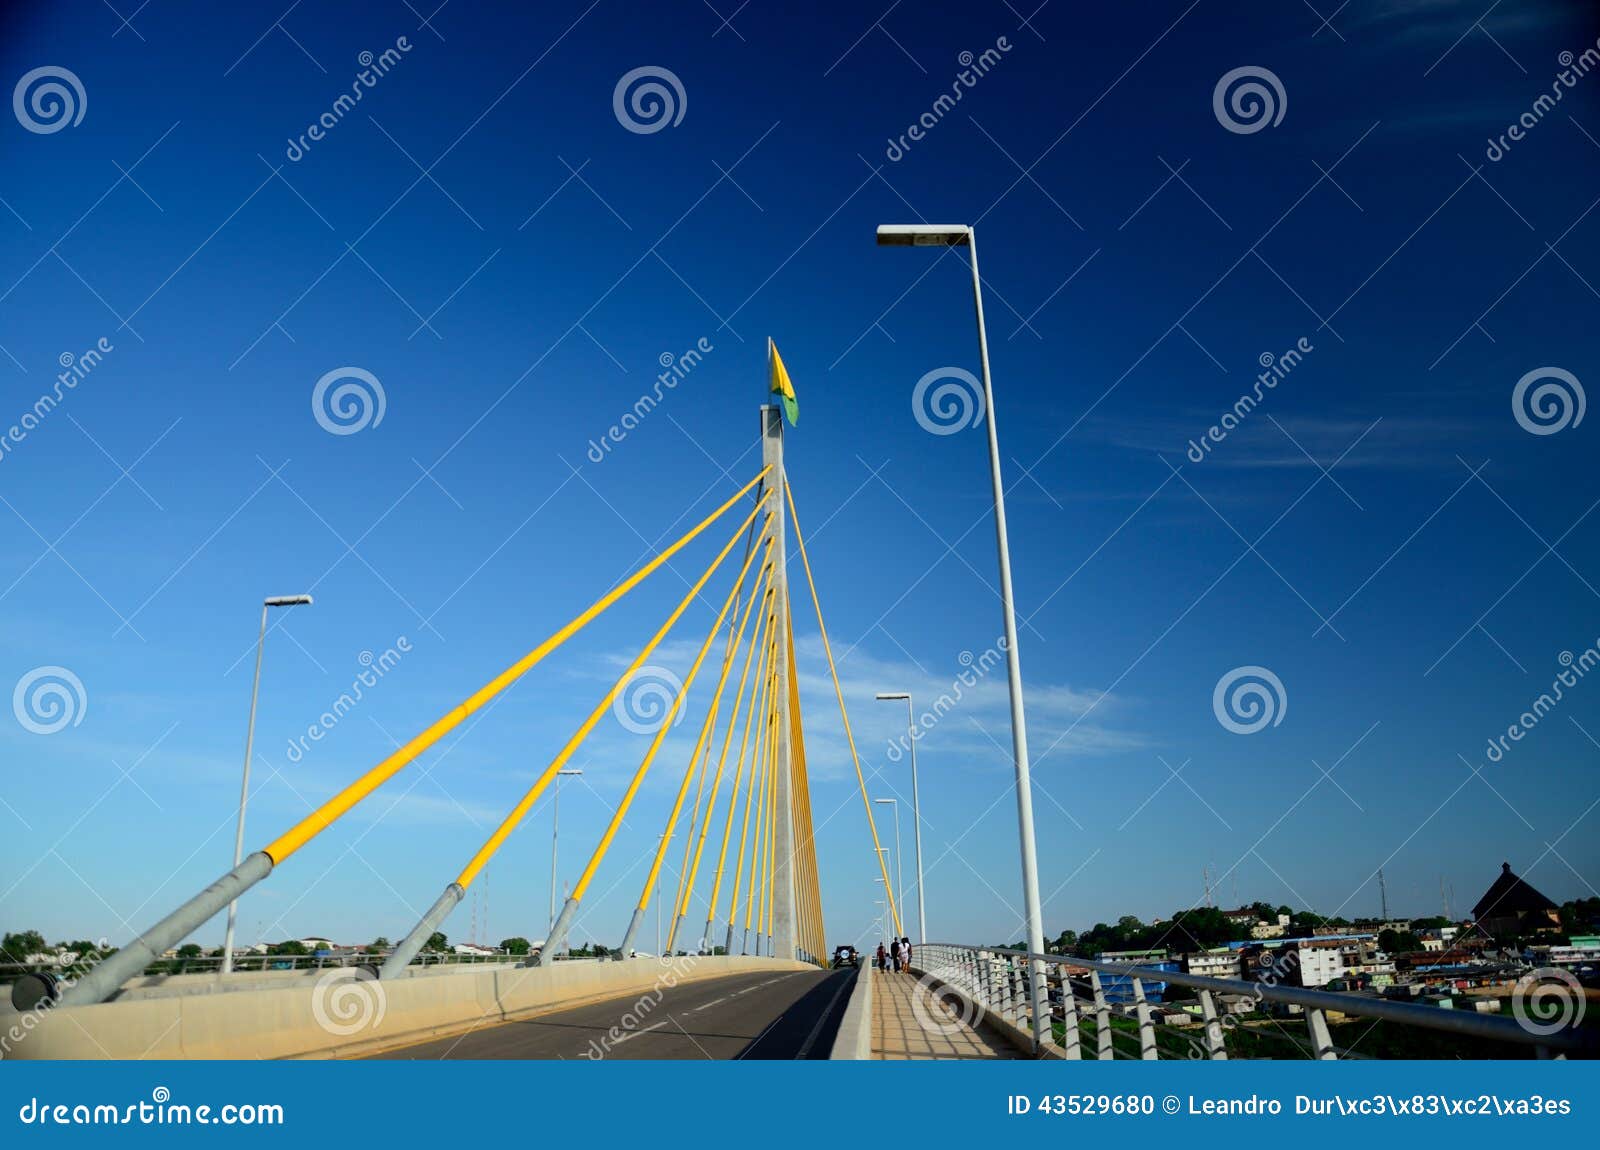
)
(1512, 907)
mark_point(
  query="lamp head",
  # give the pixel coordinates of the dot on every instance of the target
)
(924, 235)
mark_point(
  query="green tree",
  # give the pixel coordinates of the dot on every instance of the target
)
(518, 945)
(1398, 941)
(379, 943)
(291, 949)
(190, 950)
(19, 946)
(437, 942)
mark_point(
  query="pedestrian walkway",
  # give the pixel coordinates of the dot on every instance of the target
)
(909, 1021)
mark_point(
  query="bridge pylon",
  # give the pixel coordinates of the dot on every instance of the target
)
(783, 942)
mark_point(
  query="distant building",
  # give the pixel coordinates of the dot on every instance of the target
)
(1118, 988)
(1222, 963)
(1582, 950)
(474, 949)
(1296, 962)
(1511, 907)
(1437, 937)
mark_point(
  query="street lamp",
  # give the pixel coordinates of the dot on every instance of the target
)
(916, 803)
(961, 235)
(899, 868)
(249, 751)
(555, 829)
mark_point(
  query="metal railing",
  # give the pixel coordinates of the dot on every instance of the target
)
(255, 963)
(1085, 1022)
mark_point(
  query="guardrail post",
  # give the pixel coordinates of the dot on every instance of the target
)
(1321, 1040)
(1018, 999)
(1073, 1044)
(1007, 990)
(1102, 1018)
(985, 981)
(1216, 1042)
(1147, 1025)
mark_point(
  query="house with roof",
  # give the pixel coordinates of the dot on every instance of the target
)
(1512, 907)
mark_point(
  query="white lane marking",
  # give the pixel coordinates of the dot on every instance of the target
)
(636, 1033)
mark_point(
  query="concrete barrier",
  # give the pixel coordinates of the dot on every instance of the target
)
(339, 1014)
(854, 1040)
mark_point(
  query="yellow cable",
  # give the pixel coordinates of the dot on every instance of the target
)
(750, 787)
(861, 779)
(738, 774)
(325, 815)
(722, 762)
(655, 746)
(767, 755)
(702, 742)
(703, 808)
(519, 812)
(769, 887)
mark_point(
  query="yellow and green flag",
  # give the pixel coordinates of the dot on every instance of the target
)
(781, 385)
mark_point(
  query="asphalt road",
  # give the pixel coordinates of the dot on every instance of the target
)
(777, 1015)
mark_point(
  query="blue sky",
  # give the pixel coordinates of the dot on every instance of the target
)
(485, 236)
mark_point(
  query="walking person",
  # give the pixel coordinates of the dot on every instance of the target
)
(905, 958)
(883, 958)
(902, 954)
(894, 953)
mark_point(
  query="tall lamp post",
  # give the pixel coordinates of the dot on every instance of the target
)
(961, 235)
(555, 831)
(249, 752)
(916, 805)
(899, 868)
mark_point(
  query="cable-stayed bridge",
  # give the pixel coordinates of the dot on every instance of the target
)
(755, 981)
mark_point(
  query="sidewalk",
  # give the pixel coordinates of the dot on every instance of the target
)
(927, 1028)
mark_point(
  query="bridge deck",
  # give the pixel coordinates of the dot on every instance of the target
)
(925, 1029)
(782, 1014)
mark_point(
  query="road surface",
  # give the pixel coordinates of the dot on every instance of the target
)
(776, 1015)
